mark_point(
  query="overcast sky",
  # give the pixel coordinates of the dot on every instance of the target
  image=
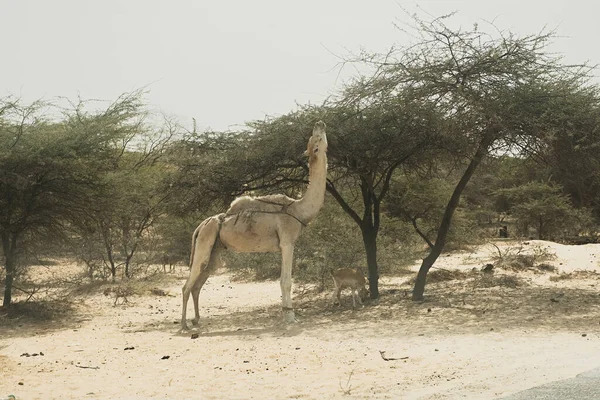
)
(227, 62)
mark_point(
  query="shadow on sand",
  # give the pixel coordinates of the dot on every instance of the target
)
(36, 317)
(456, 306)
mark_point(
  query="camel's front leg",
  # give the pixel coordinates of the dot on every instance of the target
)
(195, 298)
(287, 256)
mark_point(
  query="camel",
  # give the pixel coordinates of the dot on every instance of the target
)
(262, 224)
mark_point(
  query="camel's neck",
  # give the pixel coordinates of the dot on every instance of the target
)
(307, 208)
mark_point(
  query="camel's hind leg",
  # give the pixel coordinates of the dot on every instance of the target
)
(213, 263)
(203, 242)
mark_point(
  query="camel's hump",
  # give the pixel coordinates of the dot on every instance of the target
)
(266, 203)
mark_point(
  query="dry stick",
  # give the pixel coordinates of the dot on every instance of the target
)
(499, 252)
(348, 386)
(33, 291)
(83, 366)
(390, 358)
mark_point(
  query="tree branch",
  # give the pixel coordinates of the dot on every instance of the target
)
(345, 206)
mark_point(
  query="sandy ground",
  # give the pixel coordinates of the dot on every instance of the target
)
(467, 340)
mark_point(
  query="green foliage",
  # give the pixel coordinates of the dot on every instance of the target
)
(57, 176)
(575, 136)
(49, 171)
(496, 90)
(331, 241)
(420, 201)
(130, 206)
(543, 207)
(173, 236)
(501, 172)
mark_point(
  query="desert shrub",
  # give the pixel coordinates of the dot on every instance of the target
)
(398, 247)
(253, 266)
(464, 232)
(416, 200)
(331, 241)
(515, 259)
(44, 310)
(172, 239)
(544, 208)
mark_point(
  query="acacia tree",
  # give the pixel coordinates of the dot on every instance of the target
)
(576, 136)
(497, 91)
(50, 171)
(547, 209)
(131, 198)
(371, 140)
(131, 203)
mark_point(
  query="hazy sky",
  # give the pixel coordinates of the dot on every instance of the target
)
(227, 62)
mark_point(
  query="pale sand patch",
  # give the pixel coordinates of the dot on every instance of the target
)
(568, 258)
(475, 342)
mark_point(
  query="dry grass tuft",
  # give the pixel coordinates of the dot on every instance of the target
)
(545, 267)
(513, 259)
(575, 275)
(517, 263)
(507, 281)
(445, 275)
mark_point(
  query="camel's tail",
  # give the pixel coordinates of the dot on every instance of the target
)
(207, 236)
(194, 238)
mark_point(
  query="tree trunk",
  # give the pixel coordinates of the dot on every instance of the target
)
(370, 242)
(112, 265)
(440, 241)
(8, 286)
(9, 247)
(419, 288)
(108, 247)
(128, 257)
(127, 271)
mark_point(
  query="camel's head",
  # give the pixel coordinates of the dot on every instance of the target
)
(317, 144)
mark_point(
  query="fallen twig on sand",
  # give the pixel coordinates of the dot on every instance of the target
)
(83, 366)
(348, 385)
(390, 358)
